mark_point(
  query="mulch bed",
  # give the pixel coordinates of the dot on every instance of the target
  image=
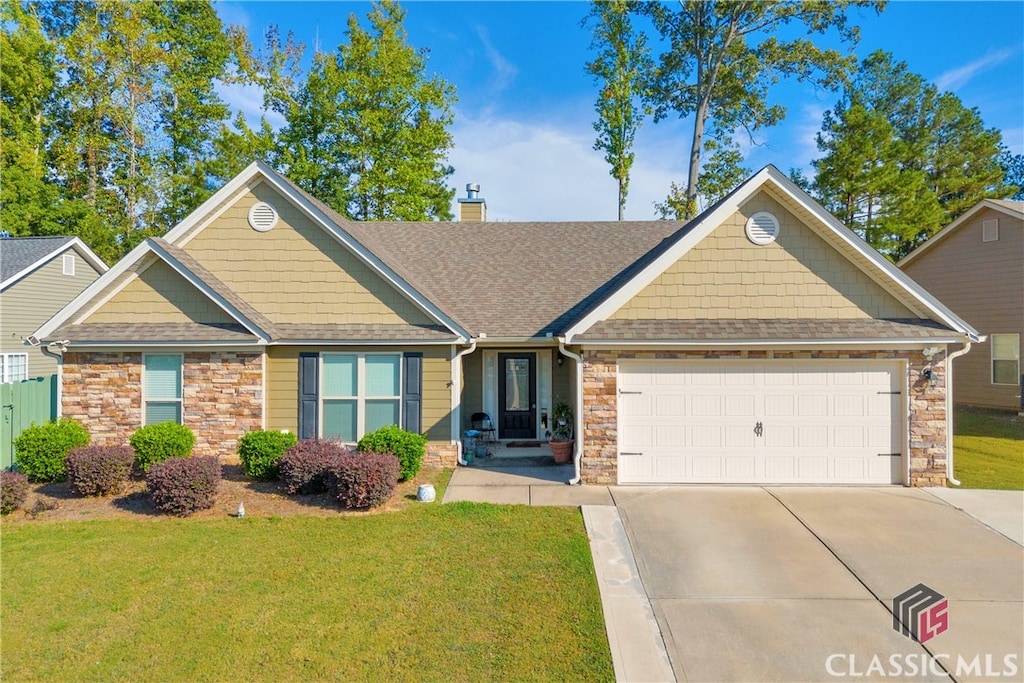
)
(56, 501)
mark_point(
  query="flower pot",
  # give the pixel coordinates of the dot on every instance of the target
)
(562, 450)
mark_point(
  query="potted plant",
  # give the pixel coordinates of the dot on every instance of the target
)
(561, 433)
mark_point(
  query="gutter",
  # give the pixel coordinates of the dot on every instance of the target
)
(58, 355)
(456, 400)
(578, 427)
(949, 411)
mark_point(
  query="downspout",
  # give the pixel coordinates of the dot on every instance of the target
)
(578, 427)
(456, 399)
(949, 410)
(59, 357)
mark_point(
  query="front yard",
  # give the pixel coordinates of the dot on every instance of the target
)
(430, 592)
(988, 449)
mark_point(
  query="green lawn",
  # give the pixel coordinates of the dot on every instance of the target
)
(454, 592)
(988, 449)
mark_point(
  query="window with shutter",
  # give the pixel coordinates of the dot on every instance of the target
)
(359, 393)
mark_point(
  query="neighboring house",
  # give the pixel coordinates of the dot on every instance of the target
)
(760, 342)
(975, 265)
(38, 277)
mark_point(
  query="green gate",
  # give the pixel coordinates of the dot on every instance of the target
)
(33, 401)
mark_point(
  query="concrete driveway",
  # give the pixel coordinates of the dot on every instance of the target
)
(797, 584)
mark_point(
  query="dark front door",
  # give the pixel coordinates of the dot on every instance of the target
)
(517, 396)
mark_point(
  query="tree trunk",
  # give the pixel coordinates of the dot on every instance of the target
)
(622, 201)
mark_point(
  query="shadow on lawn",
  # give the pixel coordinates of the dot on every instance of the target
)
(988, 422)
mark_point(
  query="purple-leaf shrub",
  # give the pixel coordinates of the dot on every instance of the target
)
(181, 486)
(99, 470)
(304, 467)
(364, 480)
(13, 491)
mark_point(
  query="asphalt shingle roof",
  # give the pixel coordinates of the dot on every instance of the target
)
(757, 330)
(153, 332)
(18, 253)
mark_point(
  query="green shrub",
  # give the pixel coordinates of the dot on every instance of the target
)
(261, 451)
(40, 450)
(13, 491)
(409, 448)
(156, 443)
(364, 480)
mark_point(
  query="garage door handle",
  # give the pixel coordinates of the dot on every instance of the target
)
(621, 392)
(889, 455)
(759, 429)
(626, 453)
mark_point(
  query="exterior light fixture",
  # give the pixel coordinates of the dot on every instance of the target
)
(929, 376)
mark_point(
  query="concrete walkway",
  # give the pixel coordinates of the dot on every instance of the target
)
(513, 485)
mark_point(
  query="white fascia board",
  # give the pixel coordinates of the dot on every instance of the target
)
(487, 342)
(934, 239)
(192, 346)
(223, 194)
(770, 343)
(209, 293)
(353, 245)
(87, 294)
(345, 342)
(695, 234)
(75, 243)
(864, 249)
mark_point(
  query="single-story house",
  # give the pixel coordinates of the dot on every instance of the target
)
(760, 342)
(38, 277)
(975, 265)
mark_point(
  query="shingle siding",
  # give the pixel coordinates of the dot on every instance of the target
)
(982, 282)
(726, 276)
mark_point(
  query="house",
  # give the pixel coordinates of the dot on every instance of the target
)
(975, 266)
(38, 277)
(760, 342)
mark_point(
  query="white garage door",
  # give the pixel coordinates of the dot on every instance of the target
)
(771, 422)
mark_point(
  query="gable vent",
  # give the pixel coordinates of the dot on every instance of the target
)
(762, 228)
(262, 217)
(990, 230)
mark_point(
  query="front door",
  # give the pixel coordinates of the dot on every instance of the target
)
(517, 396)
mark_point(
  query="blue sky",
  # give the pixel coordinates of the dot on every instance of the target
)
(523, 127)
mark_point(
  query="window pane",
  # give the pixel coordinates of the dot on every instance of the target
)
(17, 367)
(340, 376)
(163, 377)
(381, 414)
(340, 420)
(157, 412)
(1005, 372)
(382, 375)
(1005, 346)
(517, 384)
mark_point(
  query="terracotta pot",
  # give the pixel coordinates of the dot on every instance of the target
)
(562, 450)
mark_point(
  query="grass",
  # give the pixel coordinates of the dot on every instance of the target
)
(988, 449)
(455, 592)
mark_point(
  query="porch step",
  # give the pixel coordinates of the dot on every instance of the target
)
(513, 463)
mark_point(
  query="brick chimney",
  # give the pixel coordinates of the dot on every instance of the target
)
(472, 207)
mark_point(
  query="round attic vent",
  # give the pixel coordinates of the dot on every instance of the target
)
(762, 228)
(262, 216)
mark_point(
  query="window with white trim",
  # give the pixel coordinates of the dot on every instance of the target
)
(13, 367)
(69, 264)
(1005, 359)
(161, 388)
(359, 393)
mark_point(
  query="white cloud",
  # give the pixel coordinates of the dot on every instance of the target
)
(805, 137)
(248, 99)
(956, 78)
(542, 171)
(504, 70)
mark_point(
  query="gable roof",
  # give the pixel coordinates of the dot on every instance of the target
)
(811, 213)
(1005, 206)
(20, 256)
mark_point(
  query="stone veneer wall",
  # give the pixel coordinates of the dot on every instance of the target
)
(927, 405)
(441, 455)
(223, 396)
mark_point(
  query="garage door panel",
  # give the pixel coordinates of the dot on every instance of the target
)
(822, 422)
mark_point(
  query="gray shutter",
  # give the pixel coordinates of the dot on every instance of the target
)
(309, 399)
(412, 393)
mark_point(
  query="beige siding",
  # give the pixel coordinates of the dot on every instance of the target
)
(561, 380)
(160, 295)
(726, 276)
(283, 386)
(472, 386)
(296, 272)
(982, 282)
(33, 300)
(471, 212)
